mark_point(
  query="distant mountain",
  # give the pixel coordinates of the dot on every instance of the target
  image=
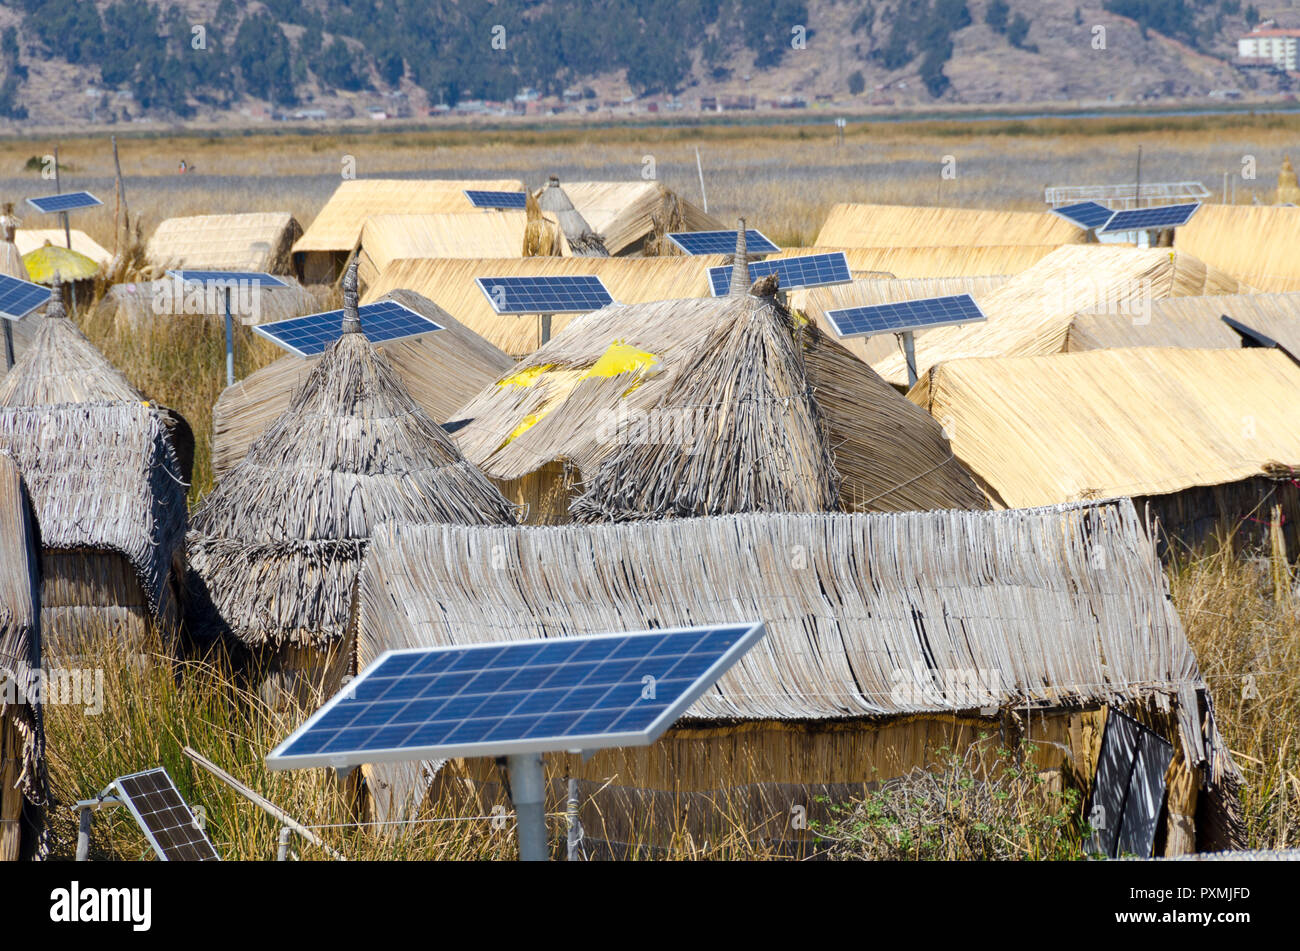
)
(75, 61)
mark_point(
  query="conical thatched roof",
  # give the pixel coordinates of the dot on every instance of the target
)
(22, 770)
(61, 366)
(583, 241)
(278, 542)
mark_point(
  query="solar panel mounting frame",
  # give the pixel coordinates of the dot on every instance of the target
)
(209, 275)
(1063, 212)
(1121, 221)
(755, 242)
(557, 306)
(27, 296)
(497, 202)
(128, 799)
(757, 269)
(89, 201)
(966, 302)
(335, 322)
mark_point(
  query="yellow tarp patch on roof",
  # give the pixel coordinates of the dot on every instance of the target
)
(622, 358)
(525, 377)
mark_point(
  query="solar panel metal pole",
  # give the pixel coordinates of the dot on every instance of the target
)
(230, 343)
(9, 345)
(83, 834)
(528, 793)
(546, 328)
(909, 351)
(573, 824)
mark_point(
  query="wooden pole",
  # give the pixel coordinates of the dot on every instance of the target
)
(119, 198)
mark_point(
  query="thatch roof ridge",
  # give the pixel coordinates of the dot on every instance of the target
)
(623, 213)
(103, 476)
(1194, 322)
(61, 365)
(249, 241)
(1252, 242)
(888, 226)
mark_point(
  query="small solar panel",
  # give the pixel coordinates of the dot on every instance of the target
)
(1143, 219)
(1085, 214)
(228, 277)
(566, 294)
(167, 821)
(491, 199)
(810, 270)
(722, 242)
(904, 315)
(381, 322)
(19, 298)
(562, 693)
(70, 201)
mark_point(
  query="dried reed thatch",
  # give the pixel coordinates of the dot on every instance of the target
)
(441, 371)
(872, 623)
(906, 226)
(579, 237)
(1138, 422)
(813, 303)
(24, 786)
(934, 262)
(17, 335)
(631, 216)
(30, 239)
(276, 545)
(1195, 322)
(133, 306)
(110, 502)
(256, 241)
(1251, 242)
(1031, 313)
(477, 234)
(681, 407)
(450, 283)
(320, 253)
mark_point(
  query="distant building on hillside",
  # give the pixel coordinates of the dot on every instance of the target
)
(1269, 47)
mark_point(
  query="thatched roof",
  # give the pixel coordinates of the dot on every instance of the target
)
(440, 370)
(277, 543)
(1142, 421)
(257, 241)
(132, 305)
(450, 284)
(30, 239)
(60, 365)
(20, 631)
(813, 303)
(582, 241)
(476, 234)
(103, 477)
(624, 214)
(906, 226)
(878, 616)
(686, 364)
(1031, 313)
(1195, 322)
(338, 226)
(908, 262)
(1254, 243)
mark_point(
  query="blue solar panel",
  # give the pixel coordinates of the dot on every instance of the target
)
(904, 315)
(811, 270)
(381, 322)
(1085, 214)
(490, 199)
(228, 277)
(66, 202)
(570, 294)
(559, 693)
(722, 242)
(1143, 219)
(20, 298)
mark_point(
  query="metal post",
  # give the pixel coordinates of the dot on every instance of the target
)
(282, 848)
(1137, 195)
(574, 844)
(546, 327)
(704, 198)
(230, 344)
(67, 231)
(83, 834)
(909, 351)
(528, 793)
(9, 344)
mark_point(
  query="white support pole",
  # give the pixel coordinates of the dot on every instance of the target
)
(282, 847)
(909, 351)
(83, 834)
(230, 344)
(699, 167)
(574, 825)
(9, 344)
(527, 791)
(546, 328)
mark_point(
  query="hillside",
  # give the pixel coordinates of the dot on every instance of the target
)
(212, 61)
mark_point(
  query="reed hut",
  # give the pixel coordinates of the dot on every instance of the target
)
(1195, 322)
(632, 217)
(276, 545)
(450, 283)
(136, 306)
(1209, 440)
(700, 407)
(579, 238)
(109, 496)
(892, 641)
(441, 371)
(925, 262)
(30, 239)
(320, 254)
(1031, 313)
(906, 226)
(1251, 242)
(24, 787)
(476, 234)
(257, 241)
(11, 265)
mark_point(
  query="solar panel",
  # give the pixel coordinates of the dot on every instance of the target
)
(722, 242)
(491, 199)
(1085, 214)
(561, 693)
(904, 315)
(810, 270)
(381, 322)
(1143, 219)
(228, 277)
(20, 298)
(568, 294)
(168, 823)
(69, 201)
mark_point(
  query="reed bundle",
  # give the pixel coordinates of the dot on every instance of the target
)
(579, 237)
